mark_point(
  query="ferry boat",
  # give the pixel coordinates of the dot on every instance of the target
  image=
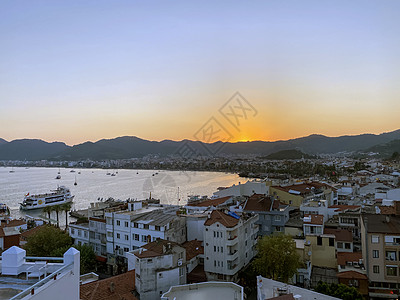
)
(58, 196)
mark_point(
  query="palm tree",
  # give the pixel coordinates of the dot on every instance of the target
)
(47, 210)
(57, 209)
(66, 207)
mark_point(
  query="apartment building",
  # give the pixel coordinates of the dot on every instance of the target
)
(79, 232)
(381, 254)
(132, 228)
(97, 236)
(273, 214)
(229, 244)
(159, 265)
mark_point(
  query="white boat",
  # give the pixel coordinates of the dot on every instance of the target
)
(58, 196)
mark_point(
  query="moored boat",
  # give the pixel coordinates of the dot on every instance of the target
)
(61, 195)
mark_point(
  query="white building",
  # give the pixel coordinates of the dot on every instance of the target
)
(79, 232)
(131, 229)
(205, 290)
(229, 244)
(247, 189)
(97, 235)
(159, 265)
(41, 279)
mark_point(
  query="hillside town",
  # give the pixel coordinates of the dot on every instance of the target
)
(345, 232)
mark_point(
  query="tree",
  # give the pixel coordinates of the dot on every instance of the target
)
(47, 210)
(57, 209)
(88, 258)
(66, 207)
(47, 242)
(340, 291)
(277, 257)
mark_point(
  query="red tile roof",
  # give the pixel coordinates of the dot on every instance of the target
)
(258, 202)
(14, 223)
(342, 235)
(26, 234)
(352, 275)
(315, 219)
(193, 248)
(155, 248)
(222, 218)
(344, 257)
(113, 288)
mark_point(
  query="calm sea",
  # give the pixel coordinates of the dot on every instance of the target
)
(169, 186)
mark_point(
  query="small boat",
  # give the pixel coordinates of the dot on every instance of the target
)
(80, 172)
(75, 183)
(113, 174)
(58, 177)
(12, 170)
(108, 173)
(72, 171)
(137, 172)
(58, 196)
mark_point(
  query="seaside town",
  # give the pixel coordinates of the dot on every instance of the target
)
(282, 237)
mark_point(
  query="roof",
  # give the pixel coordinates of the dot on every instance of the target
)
(211, 202)
(344, 257)
(222, 218)
(382, 223)
(303, 188)
(113, 288)
(352, 275)
(97, 219)
(315, 219)
(155, 248)
(342, 235)
(283, 297)
(156, 218)
(13, 223)
(345, 207)
(8, 231)
(193, 248)
(258, 202)
(26, 234)
(387, 210)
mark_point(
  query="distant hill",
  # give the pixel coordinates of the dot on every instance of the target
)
(387, 149)
(288, 154)
(131, 147)
(3, 141)
(30, 149)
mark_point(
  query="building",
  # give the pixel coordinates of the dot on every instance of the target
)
(297, 194)
(343, 239)
(79, 232)
(229, 244)
(9, 236)
(158, 266)
(247, 189)
(313, 224)
(273, 215)
(97, 236)
(269, 289)
(205, 290)
(133, 228)
(40, 279)
(381, 254)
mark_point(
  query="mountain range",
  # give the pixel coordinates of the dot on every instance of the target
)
(131, 147)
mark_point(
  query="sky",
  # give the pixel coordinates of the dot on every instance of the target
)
(75, 71)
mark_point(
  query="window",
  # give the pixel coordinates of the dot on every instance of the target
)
(126, 249)
(146, 226)
(319, 241)
(72, 231)
(391, 270)
(391, 255)
(222, 249)
(277, 228)
(331, 242)
(85, 234)
(181, 272)
(144, 238)
(118, 235)
(136, 225)
(278, 218)
(340, 245)
(347, 245)
(79, 232)
(118, 223)
(375, 269)
(158, 228)
(375, 239)
(109, 233)
(126, 237)
(126, 224)
(375, 253)
(215, 248)
(215, 263)
(160, 275)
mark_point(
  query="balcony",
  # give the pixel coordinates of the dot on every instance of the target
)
(232, 255)
(232, 241)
